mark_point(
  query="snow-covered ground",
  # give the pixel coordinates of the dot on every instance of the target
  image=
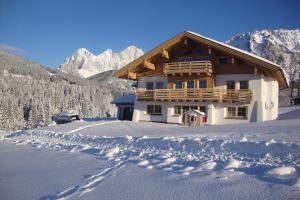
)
(110, 159)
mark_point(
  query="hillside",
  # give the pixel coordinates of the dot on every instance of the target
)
(32, 94)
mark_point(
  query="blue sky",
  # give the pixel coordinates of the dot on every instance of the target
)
(49, 31)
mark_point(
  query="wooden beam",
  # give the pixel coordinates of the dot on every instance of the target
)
(165, 54)
(149, 65)
(132, 75)
(255, 71)
(209, 51)
(232, 60)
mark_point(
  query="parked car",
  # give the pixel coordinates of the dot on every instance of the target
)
(67, 116)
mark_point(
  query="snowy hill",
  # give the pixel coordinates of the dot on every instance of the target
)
(31, 94)
(281, 46)
(85, 64)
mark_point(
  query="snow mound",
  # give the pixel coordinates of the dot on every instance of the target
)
(233, 164)
(282, 172)
(170, 160)
(210, 165)
(110, 153)
(244, 139)
(143, 163)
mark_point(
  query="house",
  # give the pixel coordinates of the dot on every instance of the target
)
(125, 106)
(194, 118)
(193, 72)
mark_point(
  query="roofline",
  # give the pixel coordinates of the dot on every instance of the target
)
(274, 67)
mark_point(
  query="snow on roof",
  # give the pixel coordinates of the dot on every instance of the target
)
(244, 52)
(69, 113)
(234, 48)
(126, 99)
(195, 111)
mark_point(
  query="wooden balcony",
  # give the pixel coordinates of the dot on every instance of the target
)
(196, 95)
(191, 67)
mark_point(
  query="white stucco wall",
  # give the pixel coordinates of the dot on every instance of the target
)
(140, 112)
(220, 109)
(264, 105)
(269, 98)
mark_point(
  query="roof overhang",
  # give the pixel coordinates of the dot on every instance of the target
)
(277, 71)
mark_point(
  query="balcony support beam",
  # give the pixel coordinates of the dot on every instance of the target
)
(132, 75)
(165, 54)
(209, 51)
(149, 65)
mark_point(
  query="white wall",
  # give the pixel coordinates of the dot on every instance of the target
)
(265, 91)
(270, 98)
(140, 112)
(220, 109)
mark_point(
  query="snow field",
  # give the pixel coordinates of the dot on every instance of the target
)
(179, 155)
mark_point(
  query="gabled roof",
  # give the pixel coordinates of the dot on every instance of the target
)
(277, 70)
(194, 111)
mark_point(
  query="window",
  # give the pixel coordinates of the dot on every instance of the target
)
(202, 109)
(192, 118)
(159, 85)
(231, 112)
(185, 59)
(190, 84)
(237, 112)
(157, 109)
(177, 110)
(202, 83)
(154, 109)
(150, 109)
(242, 112)
(223, 61)
(178, 84)
(244, 84)
(193, 108)
(230, 84)
(185, 108)
(149, 85)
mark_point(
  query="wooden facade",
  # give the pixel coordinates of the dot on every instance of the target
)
(196, 95)
(204, 54)
(188, 68)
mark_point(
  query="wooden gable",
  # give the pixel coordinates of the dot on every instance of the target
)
(190, 44)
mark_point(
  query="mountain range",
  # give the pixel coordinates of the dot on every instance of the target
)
(85, 64)
(280, 46)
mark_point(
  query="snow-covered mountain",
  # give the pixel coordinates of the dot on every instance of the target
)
(86, 64)
(281, 46)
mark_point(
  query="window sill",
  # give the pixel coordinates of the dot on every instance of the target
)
(153, 114)
(239, 118)
(176, 115)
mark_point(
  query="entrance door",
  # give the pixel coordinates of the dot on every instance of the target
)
(127, 113)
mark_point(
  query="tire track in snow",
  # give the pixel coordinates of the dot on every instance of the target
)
(92, 125)
(89, 184)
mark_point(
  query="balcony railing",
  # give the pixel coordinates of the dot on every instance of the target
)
(191, 67)
(207, 94)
